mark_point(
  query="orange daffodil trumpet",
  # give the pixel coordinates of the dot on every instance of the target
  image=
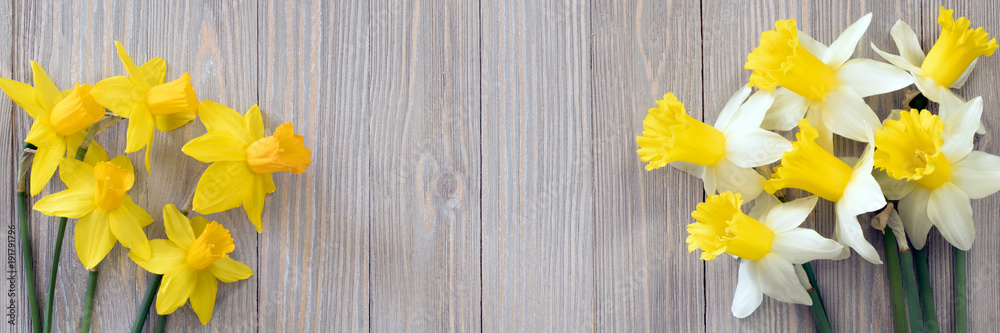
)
(61, 120)
(933, 172)
(816, 81)
(853, 189)
(243, 160)
(949, 61)
(96, 194)
(722, 156)
(147, 101)
(768, 241)
(193, 259)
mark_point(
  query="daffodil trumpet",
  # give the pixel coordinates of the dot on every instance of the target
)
(768, 241)
(818, 82)
(722, 156)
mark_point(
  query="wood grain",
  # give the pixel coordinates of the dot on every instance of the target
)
(538, 191)
(642, 268)
(10, 146)
(425, 166)
(315, 72)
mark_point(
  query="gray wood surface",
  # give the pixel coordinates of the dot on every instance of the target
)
(474, 164)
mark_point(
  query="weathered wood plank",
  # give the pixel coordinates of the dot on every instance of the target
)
(643, 271)
(425, 166)
(538, 191)
(315, 72)
(74, 42)
(982, 263)
(15, 314)
(851, 307)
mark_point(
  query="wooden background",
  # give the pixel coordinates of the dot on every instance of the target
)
(474, 162)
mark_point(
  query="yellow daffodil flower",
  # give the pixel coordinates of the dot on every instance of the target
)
(147, 101)
(243, 160)
(768, 240)
(61, 121)
(853, 190)
(812, 80)
(193, 259)
(949, 61)
(95, 194)
(722, 156)
(933, 172)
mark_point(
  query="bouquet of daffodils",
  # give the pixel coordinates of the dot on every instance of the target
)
(921, 160)
(189, 264)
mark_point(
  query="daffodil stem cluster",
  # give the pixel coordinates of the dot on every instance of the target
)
(88, 301)
(910, 288)
(147, 301)
(820, 317)
(899, 323)
(926, 294)
(22, 219)
(57, 250)
(961, 316)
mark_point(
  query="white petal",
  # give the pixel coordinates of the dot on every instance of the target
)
(869, 77)
(960, 128)
(731, 177)
(907, 42)
(752, 146)
(748, 295)
(752, 112)
(731, 106)
(802, 245)
(814, 47)
(892, 188)
(786, 111)
(951, 211)
(913, 212)
(790, 215)
(762, 206)
(710, 181)
(842, 48)
(898, 61)
(849, 233)
(863, 194)
(848, 115)
(777, 279)
(696, 170)
(815, 114)
(931, 89)
(965, 75)
(978, 174)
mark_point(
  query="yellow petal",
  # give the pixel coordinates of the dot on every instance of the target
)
(77, 175)
(178, 226)
(163, 257)
(203, 298)
(254, 205)
(24, 95)
(44, 165)
(228, 270)
(140, 130)
(95, 153)
(173, 121)
(198, 223)
(137, 75)
(254, 123)
(42, 134)
(93, 238)
(218, 117)
(268, 183)
(69, 203)
(177, 286)
(48, 94)
(216, 146)
(126, 164)
(224, 185)
(118, 94)
(155, 71)
(126, 224)
(73, 143)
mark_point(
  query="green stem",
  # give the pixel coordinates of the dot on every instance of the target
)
(161, 323)
(88, 302)
(961, 317)
(818, 310)
(22, 218)
(926, 294)
(910, 288)
(147, 301)
(895, 282)
(56, 254)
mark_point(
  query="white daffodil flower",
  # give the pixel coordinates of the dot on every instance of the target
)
(812, 80)
(949, 61)
(853, 190)
(722, 156)
(933, 172)
(769, 241)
